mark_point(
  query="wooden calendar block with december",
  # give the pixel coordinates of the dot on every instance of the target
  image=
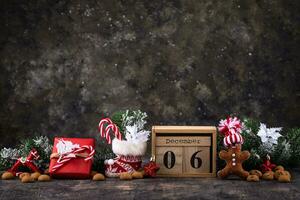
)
(184, 151)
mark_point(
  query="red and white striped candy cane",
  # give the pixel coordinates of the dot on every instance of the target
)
(64, 158)
(101, 125)
(115, 130)
(91, 150)
(111, 127)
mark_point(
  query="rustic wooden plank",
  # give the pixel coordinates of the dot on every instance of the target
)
(156, 188)
(183, 129)
(214, 154)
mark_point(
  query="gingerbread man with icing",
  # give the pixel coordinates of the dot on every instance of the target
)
(234, 156)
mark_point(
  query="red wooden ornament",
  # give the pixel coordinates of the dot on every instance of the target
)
(27, 162)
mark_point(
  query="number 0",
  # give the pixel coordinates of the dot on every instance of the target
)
(169, 159)
(196, 162)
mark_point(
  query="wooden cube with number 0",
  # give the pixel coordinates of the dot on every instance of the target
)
(184, 151)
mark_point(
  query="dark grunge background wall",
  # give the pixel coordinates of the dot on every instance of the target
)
(64, 64)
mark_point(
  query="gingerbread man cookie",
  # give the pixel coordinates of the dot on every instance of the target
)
(234, 156)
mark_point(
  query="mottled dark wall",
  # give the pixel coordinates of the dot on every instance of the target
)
(64, 64)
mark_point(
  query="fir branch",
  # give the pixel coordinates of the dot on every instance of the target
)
(103, 153)
(293, 137)
(117, 119)
(41, 143)
(281, 153)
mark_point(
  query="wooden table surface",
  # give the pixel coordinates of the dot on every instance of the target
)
(156, 188)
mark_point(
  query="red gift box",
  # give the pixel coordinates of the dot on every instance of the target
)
(72, 158)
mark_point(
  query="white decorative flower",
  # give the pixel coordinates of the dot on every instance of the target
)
(65, 146)
(269, 136)
(135, 135)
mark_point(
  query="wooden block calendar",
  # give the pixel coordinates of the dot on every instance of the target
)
(184, 151)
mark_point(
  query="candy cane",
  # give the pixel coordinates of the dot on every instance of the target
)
(64, 158)
(105, 132)
(92, 152)
(101, 125)
(115, 130)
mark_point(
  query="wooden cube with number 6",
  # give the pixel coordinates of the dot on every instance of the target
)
(185, 151)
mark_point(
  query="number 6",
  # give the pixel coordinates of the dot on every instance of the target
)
(196, 162)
